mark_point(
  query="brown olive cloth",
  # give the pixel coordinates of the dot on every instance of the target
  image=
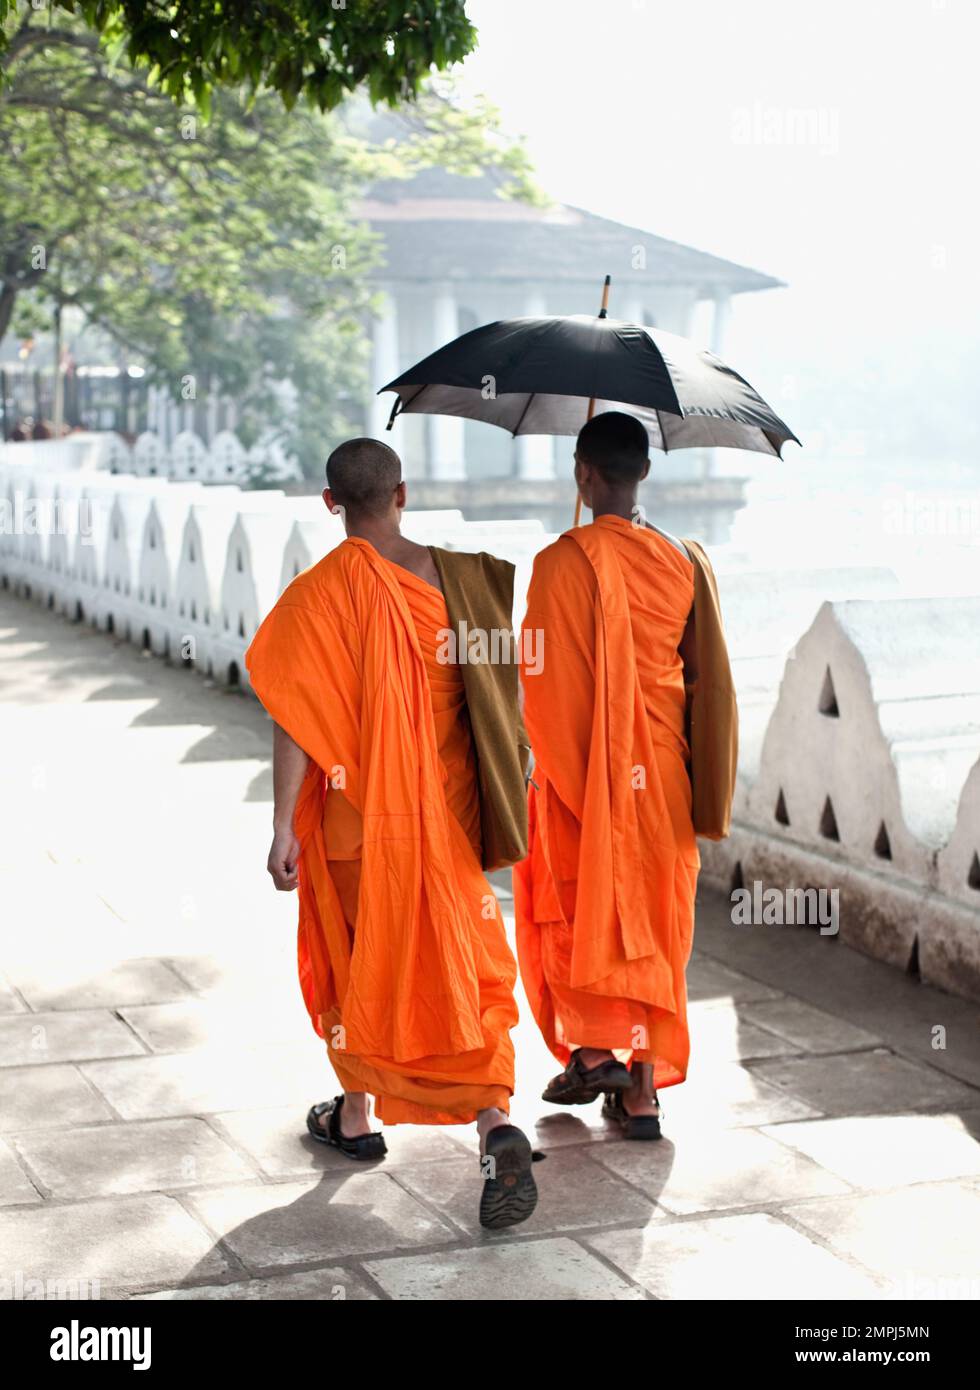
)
(712, 710)
(479, 590)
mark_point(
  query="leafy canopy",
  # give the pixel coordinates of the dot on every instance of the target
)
(223, 255)
(320, 50)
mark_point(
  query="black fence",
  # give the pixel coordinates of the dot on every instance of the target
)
(100, 399)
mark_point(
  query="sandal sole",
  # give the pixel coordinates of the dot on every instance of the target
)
(511, 1195)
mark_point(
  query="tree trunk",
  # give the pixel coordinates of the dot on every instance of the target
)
(8, 298)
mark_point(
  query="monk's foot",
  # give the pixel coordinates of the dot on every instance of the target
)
(487, 1120)
(640, 1105)
(330, 1122)
(641, 1098)
(355, 1114)
(590, 1072)
(594, 1056)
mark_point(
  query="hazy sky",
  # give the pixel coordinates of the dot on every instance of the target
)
(831, 145)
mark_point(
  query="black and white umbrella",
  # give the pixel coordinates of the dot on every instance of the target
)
(550, 375)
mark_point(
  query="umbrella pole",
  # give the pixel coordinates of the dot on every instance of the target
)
(603, 310)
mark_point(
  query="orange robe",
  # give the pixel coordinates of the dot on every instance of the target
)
(605, 898)
(403, 961)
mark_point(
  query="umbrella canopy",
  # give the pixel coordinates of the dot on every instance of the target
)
(538, 376)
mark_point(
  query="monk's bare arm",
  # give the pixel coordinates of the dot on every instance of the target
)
(289, 764)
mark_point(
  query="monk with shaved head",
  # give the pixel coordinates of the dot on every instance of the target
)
(398, 783)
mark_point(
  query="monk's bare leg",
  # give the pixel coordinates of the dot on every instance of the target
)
(641, 1098)
(355, 1115)
(489, 1119)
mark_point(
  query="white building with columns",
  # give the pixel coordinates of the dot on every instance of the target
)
(458, 255)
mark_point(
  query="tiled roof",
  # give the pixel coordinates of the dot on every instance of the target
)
(441, 226)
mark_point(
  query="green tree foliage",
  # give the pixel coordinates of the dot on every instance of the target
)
(320, 50)
(222, 255)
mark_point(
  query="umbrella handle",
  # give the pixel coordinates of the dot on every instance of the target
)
(603, 312)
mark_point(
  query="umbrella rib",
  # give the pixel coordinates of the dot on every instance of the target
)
(663, 432)
(513, 433)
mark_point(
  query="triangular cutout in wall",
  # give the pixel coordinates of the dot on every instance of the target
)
(827, 703)
(828, 822)
(781, 813)
(913, 966)
(973, 877)
(883, 846)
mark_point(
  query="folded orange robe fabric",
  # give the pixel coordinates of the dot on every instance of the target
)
(403, 961)
(605, 898)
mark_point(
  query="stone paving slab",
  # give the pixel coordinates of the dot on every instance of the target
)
(9, 1002)
(210, 974)
(520, 1272)
(751, 1257)
(278, 1142)
(163, 1156)
(808, 1029)
(37, 1038)
(124, 1242)
(710, 980)
(16, 1188)
(193, 1023)
(922, 1240)
(723, 1095)
(47, 1098)
(826, 974)
(275, 1224)
(208, 1079)
(723, 1032)
(334, 1284)
(865, 1083)
(73, 985)
(573, 1193)
(713, 1170)
(890, 1150)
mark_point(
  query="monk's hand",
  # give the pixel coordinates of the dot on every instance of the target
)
(284, 860)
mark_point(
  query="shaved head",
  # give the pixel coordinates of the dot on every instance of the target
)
(616, 445)
(363, 475)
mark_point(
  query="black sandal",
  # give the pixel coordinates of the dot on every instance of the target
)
(581, 1085)
(361, 1146)
(633, 1126)
(510, 1193)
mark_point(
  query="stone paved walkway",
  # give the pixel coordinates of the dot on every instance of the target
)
(156, 1062)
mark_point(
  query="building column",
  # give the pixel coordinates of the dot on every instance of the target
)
(212, 426)
(719, 325)
(446, 446)
(173, 421)
(534, 454)
(384, 365)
